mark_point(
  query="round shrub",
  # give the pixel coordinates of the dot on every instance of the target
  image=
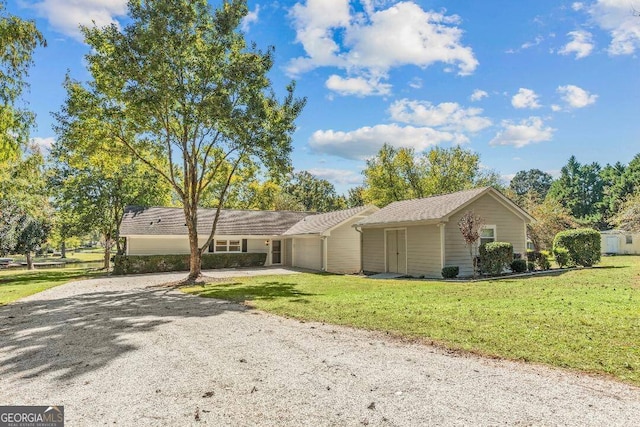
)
(450, 272)
(562, 256)
(519, 266)
(495, 257)
(531, 266)
(582, 244)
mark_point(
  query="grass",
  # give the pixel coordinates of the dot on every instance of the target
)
(72, 257)
(587, 320)
(19, 284)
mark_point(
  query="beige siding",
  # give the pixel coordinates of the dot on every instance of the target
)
(509, 228)
(423, 251)
(257, 246)
(373, 250)
(343, 249)
(156, 245)
(624, 248)
(286, 252)
(308, 253)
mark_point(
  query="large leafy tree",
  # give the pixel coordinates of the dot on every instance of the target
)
(532, 182)
(313, 193)
(628, 217)
(551, 218)
(392, 175)
(620, 184)
(580, 189)
(24, 206)
(18, 40)
(399, 174)
(179, 89)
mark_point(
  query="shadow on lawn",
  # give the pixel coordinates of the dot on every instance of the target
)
(239, 292)
(74, 335)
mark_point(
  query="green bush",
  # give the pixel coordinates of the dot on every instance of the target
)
(582, 244)
(539, 258)
(531, 266)
(519, 266)
(138, 264)
(542, 260)
(495, 257)
(450, 272)
(562, 256)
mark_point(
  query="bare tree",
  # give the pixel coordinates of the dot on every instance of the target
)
(470, 225)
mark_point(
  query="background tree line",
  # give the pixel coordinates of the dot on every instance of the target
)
(179, 111)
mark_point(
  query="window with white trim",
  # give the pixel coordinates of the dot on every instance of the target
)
(629, 239)
(228, 246)
(487, 234)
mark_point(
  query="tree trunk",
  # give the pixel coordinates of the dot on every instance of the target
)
(63, 250)
(195, 261)
(29, 261)
(107, 253)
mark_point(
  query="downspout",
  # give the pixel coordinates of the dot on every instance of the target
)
(361, 249)
(324, 253)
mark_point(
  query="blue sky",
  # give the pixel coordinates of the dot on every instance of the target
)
(524, 84)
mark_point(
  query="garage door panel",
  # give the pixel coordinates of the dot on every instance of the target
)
(308, 253)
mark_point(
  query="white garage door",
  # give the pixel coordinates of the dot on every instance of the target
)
(308, 253)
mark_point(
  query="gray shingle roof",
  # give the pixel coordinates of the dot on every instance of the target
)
(318, 224)
(428, 209)
(170, 221)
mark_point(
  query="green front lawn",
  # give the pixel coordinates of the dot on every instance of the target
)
(587, 320)
(15, 284)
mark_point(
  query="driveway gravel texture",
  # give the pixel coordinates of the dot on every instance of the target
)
(123, 351)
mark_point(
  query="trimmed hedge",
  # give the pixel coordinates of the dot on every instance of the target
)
(562, 256)
(495, 257)
(138, 264)
(539, 259)
(450, 272)
(583, 245)
(519, 265)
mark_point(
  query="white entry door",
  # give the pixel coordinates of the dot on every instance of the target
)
(612, 244)
(396, 251)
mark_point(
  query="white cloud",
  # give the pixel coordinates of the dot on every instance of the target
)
(556, 108)
(525, 132)
(525, 98)
(44, 144)
(615, 17)
(581, 44)
(577, 6)
(535, 42)
(365, 142)
(66, 16)
(337, 176)
(478, 94)
(576, 97)
(250, 18)
(358, 86)
(415, 83)
(374, 41)
(449, 116)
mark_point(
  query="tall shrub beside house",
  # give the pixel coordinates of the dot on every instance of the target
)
(583, 245)
(495, 257)
(470, 225)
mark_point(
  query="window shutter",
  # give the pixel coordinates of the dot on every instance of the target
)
(211, 247)
(244, 245)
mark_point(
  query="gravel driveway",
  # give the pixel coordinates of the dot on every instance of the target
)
(114, 351)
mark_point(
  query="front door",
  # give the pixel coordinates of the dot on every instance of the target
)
(396, 251)
(276, 252)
